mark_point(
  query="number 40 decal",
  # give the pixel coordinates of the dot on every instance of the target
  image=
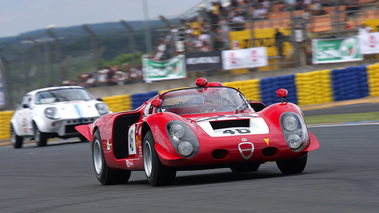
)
(240, 131)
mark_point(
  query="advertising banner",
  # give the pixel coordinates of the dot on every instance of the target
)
(244, 58)
(203, 61)
(369, 43)
(164, 70)
(336, 50)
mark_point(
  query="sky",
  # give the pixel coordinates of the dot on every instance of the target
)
(21, 16)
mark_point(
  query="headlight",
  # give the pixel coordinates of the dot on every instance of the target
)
(177, 130)
(185, 148)
(294, 131)
(290, 123)
(294, 141)
(182, 138)
(51, 112)
(102, 108)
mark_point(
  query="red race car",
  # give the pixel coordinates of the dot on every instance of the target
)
(204, 127)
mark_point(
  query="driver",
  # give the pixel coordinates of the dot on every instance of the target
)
(213, 97)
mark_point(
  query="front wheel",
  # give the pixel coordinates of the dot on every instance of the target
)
(39, 137)
(157, 174)
(292, 166)
(104, 174)
(16, 140)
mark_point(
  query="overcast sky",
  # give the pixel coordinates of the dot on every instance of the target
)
(20, 16)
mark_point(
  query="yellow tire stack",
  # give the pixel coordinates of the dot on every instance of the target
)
(5, 121)
(118, 103)
(314, 87)
(250, 88)
(373, 79)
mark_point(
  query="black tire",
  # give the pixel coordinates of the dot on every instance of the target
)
(16, 140)
(104, 174)
(156, 173)
(292, 166)
(39, 137)
(247, 167)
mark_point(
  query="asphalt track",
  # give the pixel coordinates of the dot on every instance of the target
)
(341, 176)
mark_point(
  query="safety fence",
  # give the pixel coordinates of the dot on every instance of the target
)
(316, 87)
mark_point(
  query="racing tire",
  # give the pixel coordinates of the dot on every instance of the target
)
(104, 174)
(156, 173)
(16, 140)
(247, 167)
(292, 166)
(39, 137)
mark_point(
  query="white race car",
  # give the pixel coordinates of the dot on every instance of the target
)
(54, 112)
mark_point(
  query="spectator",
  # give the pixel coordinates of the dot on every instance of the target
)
(306, 4)
(195, 25)
(102, 77)
(364, 29)
(111, 76)
(161, 49)
(224, 27)
(317, 8)
(351, 7)
(266, 5)
(260, 12)
(179, 44)
(307, 15)
(279, 40)
(234, 3)
(238, 19)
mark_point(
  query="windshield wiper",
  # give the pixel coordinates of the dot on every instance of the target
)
(241, 107)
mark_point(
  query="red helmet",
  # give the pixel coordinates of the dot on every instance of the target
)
(215, 84)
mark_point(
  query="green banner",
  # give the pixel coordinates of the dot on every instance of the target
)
(336, 50)
(164, 70)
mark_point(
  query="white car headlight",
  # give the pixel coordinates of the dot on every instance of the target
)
(176, 130)
(182, 138)
(290, 123)
(102, 108)
(51, 112)
(185, 148)
(294, 131)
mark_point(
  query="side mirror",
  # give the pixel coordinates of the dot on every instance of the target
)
(156, 102)
(99, 99)
(25, 106)
(282, 93)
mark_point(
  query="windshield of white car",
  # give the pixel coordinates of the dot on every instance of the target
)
(202, 100)
(60, 95)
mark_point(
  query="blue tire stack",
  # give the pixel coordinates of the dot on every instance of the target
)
(139, 98)
(349, 83)
(269, 86)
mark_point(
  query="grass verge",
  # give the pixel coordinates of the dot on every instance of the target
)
(342, 118)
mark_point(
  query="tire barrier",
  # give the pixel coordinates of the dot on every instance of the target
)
(323, 86)
(5, 121)
(349, 83)
(373, 79)
(314, 87)
(139, 98)
(269, 86)
(250, 88)
(118, 103)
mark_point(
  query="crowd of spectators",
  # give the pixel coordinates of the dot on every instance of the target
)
(209, 28)
(109, 76)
